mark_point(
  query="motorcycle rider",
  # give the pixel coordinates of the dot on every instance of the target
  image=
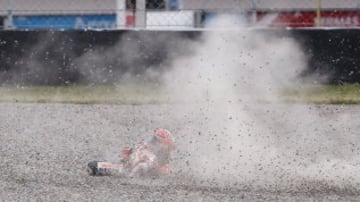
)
(150, 157)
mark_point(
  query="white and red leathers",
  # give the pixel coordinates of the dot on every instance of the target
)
(150, 157)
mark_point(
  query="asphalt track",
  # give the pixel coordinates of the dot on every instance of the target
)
(45, 147)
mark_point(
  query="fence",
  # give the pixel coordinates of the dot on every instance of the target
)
(174, 14)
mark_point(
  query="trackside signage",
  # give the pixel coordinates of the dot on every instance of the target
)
(345, 18)
(65, 22)
(309, 19)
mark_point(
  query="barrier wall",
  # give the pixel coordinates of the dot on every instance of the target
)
(64, 22)
(331, 53)
(62, 57)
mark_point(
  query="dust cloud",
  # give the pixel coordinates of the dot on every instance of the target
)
(232, 126)
(235, 127)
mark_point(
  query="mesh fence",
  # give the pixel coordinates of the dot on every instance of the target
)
(175, 14)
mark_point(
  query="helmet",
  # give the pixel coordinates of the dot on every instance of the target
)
(163, 137)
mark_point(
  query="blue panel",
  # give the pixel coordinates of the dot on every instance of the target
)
(174, 4)
(65, 22)
(208, 16)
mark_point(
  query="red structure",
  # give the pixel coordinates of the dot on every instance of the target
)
(349, 18)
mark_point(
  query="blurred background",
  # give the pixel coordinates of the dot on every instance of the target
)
(248, 107)
(104, 41)
(173, 14)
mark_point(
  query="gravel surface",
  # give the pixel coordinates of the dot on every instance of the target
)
(45, 148)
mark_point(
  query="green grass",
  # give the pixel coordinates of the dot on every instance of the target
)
(150, 94)
(327, 94)
(120, 94)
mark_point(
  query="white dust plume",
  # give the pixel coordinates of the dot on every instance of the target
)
(235, 127)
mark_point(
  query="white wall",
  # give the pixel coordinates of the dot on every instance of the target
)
(170, 19)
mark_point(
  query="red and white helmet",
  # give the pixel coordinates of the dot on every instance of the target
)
(164, 137)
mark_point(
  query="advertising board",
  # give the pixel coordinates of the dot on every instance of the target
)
(295, 19)
(65, 22)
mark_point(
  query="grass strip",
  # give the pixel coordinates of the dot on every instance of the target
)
(326, 94)
(150, 94)
(110, 94)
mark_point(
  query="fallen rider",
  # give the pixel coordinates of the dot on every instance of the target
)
(148, 158)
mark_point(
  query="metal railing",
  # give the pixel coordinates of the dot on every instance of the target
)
(174, 14)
